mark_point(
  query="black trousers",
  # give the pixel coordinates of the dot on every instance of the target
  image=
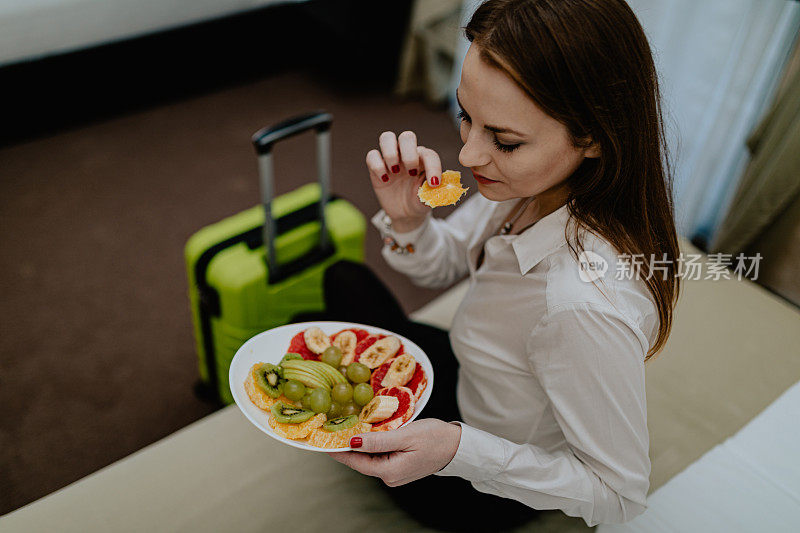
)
(354, 294)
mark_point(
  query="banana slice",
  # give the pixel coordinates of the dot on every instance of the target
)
(380, 352)
(346, 341)
(316, 340)
(378, 409)
(400, 371)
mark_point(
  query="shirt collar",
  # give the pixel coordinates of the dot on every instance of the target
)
(540, 240)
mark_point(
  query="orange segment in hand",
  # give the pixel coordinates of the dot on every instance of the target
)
(448, 193)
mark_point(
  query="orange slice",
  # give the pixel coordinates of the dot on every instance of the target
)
(336, 439)
(261, 399)
(448, 193)
(297, 431)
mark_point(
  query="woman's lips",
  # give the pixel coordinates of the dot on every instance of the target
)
(482, 179)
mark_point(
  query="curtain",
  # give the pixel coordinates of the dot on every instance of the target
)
(468, 7)
(719, 62)
(772, 180)
(428, 56)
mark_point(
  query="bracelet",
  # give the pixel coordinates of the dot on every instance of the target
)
(391, 242)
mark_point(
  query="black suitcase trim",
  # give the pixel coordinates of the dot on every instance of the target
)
(209, 302)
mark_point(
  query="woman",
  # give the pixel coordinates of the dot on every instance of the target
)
(562, 130)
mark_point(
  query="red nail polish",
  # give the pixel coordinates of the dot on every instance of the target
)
(395, 168)
(385, 178)
(435, 181)
(356, 442)
(412, 172)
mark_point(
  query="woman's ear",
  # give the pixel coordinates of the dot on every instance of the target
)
(593, 151)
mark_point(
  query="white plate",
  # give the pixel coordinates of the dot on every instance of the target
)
(270, 347)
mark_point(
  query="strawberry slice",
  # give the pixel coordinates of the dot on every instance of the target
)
(298, 345)
(378, 374)
(361, 334)
(365, 343)
(364, 338)
(418, 382)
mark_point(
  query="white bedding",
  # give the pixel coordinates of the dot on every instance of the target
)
(750, 482)
(30, 29)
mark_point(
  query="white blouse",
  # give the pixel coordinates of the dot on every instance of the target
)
(551, 384)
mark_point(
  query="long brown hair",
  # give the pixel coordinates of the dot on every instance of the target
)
(587, 64)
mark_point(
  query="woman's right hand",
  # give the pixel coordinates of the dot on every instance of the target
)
(396, 171)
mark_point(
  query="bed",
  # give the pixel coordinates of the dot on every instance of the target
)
(750, 482)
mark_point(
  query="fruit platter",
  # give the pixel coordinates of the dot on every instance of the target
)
(314, 385)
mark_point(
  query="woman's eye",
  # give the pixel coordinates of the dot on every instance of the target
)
(462, 115)
(505, 147)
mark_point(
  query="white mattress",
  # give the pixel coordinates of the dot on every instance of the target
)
(30, 29)
(750, 482)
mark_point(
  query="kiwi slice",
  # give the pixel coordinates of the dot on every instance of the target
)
(289, 414)
(290, 356)
(269, 378)
(338, 424)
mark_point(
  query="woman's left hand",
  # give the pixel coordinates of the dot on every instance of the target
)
(403, 455)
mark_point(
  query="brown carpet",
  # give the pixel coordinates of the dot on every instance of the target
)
(96, 351)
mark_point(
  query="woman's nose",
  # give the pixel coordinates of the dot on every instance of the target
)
(472, 153)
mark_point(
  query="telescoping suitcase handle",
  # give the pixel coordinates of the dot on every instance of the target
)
(263, 140)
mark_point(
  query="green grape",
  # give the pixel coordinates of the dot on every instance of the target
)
(350, 408)
(363, 393)
(358, 373)
(294, 390)
(335, 411)
(320, 401)
(332, 356)
(306, 401)
(342, 392)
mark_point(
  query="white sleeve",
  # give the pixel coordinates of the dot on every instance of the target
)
(440, 245)
(591, 364)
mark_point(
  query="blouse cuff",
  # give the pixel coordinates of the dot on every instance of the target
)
(480, 456)
(408, 237)
(422, 240)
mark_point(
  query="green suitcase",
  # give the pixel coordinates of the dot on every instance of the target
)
(237, 286)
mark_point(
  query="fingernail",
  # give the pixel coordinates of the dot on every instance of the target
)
(435, 181)
(385, 178)
(412, 172)
(395, 168)
(356, 442)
